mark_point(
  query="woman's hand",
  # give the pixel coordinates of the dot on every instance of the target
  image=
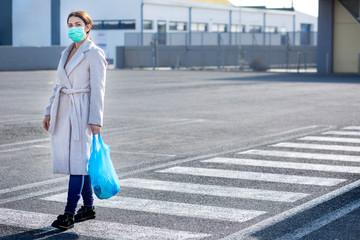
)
(95, 129)
(46, 122)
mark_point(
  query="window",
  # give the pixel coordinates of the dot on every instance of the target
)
(270, 29)
(284, 39)
(219, 27)
(177, 26)
(113, 24)
(199, 27)
(305, 36)
(237, 28)
(255, 29)
(97, 25)
(203, 27)
(148, 24)
(194, 27)
(127, 24)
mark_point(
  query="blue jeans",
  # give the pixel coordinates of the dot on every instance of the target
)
(79, 185)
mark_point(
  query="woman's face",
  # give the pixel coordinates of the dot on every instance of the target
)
(77, 22)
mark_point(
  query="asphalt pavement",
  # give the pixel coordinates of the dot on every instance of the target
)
(199, 154)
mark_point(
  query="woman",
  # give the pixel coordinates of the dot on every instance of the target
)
(74, 114)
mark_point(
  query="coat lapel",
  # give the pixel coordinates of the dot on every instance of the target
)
(63, 77)
(78, 56)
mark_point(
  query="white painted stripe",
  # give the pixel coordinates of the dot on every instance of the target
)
(42, 146)
(116, 131)
(321, 222)
(25, 142)
(344, 133)
(94, 228)
(266, 139)
(32, 185)
(288, 165)
(32, 194)
(144, 153)
(23, 148)
(352, 128)
(318, 146)
(213, 190)
(170, 208)
(257, 176)
(21, 120)
(318, 156)
(248, 232)
(331, 139)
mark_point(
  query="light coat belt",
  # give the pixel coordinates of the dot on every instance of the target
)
(74, 110)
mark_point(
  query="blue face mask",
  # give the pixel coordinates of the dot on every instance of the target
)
(76, 34)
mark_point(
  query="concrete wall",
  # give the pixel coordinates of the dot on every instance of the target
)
(29, 58)
(6, 22)
(325, 36)
(31, 23)
(55, 22)
(346, 41)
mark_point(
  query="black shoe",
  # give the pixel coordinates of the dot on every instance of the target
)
(64, 222)
(85, 213)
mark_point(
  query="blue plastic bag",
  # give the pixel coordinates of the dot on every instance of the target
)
(102, 173)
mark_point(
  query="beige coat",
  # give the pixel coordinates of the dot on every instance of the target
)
(77, 100)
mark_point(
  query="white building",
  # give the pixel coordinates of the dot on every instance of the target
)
(43, 22)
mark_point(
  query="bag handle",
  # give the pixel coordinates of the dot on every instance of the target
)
(95, 143)
(100, 139)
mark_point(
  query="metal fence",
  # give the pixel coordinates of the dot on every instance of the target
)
(230, 39)
(258, 51)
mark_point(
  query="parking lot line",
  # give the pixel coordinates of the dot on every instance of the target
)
(352, 128)
(170, 208)
(283, 164)
(255, 176)
(343, 133)
(213, 190)
(318, 146)
(24, 142)
(23, 148)
(94, 228)
(32, 194)
(330, 139)
(292, 154)
(32, 185)
(144, 153)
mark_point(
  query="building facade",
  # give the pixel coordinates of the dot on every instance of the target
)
(43, 23)
(339, 34)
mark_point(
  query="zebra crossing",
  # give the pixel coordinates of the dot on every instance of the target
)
(305, 167)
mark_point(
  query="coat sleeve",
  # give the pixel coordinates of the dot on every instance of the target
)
(97, 85)
(51, 99)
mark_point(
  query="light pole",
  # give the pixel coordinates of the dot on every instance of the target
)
(240, 60)
(142, 23)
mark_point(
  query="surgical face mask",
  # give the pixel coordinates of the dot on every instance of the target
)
(76, 34)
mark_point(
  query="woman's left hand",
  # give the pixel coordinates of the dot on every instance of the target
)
(95, 129)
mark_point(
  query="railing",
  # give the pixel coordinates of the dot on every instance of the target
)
(258, 51)
(231, 39)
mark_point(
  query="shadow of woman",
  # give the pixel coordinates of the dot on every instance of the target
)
(49, 233)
